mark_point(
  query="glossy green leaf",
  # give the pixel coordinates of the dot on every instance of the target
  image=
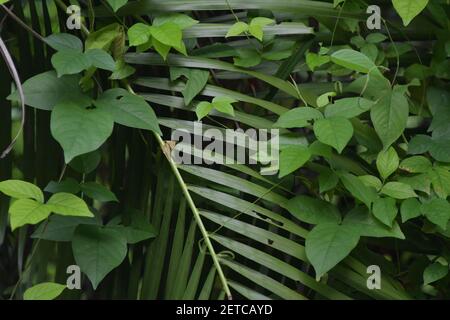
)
(237, 29)
(98, 192)
(27, 211)
(21, 190)
(67, 204)
(70, 62)
(398, 190)
(353, 60)
(437, 211)
(313, 211)
(385, 210)
(44, 291)
(409, 9)
(434, 272)
(292, 158)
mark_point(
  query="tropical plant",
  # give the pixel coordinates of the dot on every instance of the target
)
(90, 180)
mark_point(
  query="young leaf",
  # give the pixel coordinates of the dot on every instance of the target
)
(298, 118)
(224, 105)
(292, 158)
(203, 109)
(256, 26)
(67, 204)
(409, 9)
(79, 130)
(387, 162)
(327, 244)
(385, 210)
(44, 291)
(335, 132)
(313, 211)
(168, 33)
(139, 34)
(27, 211)
(237, 29)
(21, 190)
(98, 250)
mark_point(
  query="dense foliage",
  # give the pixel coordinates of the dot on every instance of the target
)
(364, 162)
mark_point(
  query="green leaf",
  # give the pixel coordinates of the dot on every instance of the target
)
(437, 211)
(135, 234)
(100, 59)
(181, 20)
(440, 179)
(314, 60)
(327, 244)
(27, 211)
(138, 34)
(247, 58)
(298, 117)
(292, 158)
(389, 116)
(104, 37)
(387, 162)
(353, 60)
(419, 144)
(44, 291)
(168, 33)
(398, 190)
(64, 42)
(67, 204)
(46, 90)
(358, 189)
(122, 71)
(130, 110)
(312, 210)
(60, 228)
(237, 29)
(68, 185)
(385, 210)
(21, 190)
(86, 163)
(70, 62)
(256, 26)
(197, 80)
(416, 164)
(224, 104)
(98, 251)
(79, 130)
(363, 223)
(117, 4)
(434, 272)
(409, 9)
(335, 132)
(440, 149)
(203, 109)
(98, 192)
(348, 107)
(371, 181)
(410, 209)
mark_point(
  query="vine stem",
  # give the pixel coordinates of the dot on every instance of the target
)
(194, 209)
